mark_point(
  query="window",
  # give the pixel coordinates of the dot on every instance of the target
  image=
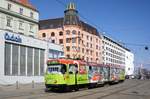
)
(78, 32)
(73, 69)
(67, 32)
(87, 59)
(60, 33)
(79, 49)
(68, 48)
(97, 54)
(9, 6)
(68, 56)
(74, 48)
(87, 51)
(21, 10)
(29, 61)
(42, 62)
(87, 45)
(20, 55)
(87, 37)
(22, 60)
(74, 32)
(43, 34)
(9, 22)
(82, 57)
(91, 52)
(7, 58)
(15, 56)
(31, 27)
(31, 14)
(36, 62)
(91, 38)
(68, 40)
(52, 34)
(53, 41)
(96, 40)
(21, 25)
(96, 46)
(79, 41)
(82, 69)
(91, 45)
(91, 59)
(73, 40)
(60, 41)
(82, 50)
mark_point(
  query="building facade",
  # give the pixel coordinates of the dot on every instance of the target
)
(116, 54)
(22, 56)
(129, 63)
(113, 52)
(80, 40)
(19, 16)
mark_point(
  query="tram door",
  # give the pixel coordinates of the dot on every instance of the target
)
(72, 73)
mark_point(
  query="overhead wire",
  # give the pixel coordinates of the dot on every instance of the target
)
(101, 30)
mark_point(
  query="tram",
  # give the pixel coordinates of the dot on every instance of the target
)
(72, 74)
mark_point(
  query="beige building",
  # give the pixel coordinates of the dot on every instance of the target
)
(80, 40)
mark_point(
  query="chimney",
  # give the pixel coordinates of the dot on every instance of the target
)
(24, 1)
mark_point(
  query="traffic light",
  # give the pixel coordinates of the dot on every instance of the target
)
(146, 48)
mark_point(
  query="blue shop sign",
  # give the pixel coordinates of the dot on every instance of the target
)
(12, 37)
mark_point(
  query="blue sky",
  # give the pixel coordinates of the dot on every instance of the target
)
(127, 21)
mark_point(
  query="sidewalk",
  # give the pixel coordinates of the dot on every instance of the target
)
(21, 90)
(21, 86)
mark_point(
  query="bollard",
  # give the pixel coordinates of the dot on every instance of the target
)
(17, 84)
(32, 83)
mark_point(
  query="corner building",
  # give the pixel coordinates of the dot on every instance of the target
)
(22, 56)
(79, 39)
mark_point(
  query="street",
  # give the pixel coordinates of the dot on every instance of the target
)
(130, 89)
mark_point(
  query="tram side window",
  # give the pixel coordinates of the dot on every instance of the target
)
(73, 69)
(63, 69)
(101, 70)
(82, 70)
(117, 70)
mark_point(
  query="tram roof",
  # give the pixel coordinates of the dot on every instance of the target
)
(67, 61)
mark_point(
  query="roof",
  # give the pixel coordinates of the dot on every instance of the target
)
(58, 22)
(51, 23)
(24, 3)
(117, 43)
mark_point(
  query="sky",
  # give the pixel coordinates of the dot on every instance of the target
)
(126, 21)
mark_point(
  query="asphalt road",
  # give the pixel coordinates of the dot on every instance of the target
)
(130, 89)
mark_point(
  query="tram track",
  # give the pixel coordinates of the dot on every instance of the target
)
(87, 92)
(110, 93)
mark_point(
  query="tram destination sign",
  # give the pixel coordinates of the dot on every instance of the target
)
(12, 37)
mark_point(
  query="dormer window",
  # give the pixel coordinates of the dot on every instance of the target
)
(31, 14)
